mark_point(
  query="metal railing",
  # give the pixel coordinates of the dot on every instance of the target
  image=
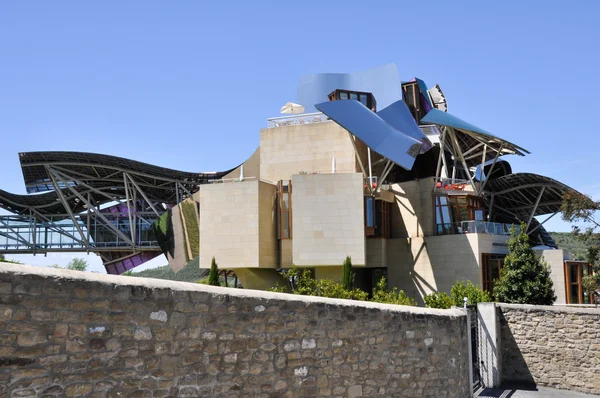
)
(451, 184)
(291, 120)
(476, 227)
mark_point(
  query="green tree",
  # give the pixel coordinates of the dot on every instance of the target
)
(213, 277)
(581, 211)
(438, 300)
(524, 279)
(381, 294)
(348, 276)
(77, 264)
(474, 294)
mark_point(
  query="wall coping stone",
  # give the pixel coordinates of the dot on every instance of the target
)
(552, 308)
(69, 275)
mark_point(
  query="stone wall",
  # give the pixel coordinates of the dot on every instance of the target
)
(551, 346)
(69, 333)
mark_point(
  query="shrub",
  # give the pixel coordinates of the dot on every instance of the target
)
(467, 289)
(524, 278)
(382, 295)
(348, 276)
(213, 277)
(438, 300)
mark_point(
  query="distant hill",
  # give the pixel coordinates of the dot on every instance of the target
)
(190, 273)
(568, 242)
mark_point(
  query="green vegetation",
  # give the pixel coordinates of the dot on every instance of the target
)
(569, 242)
(191, 226)
(190, 273)
(524, 279)
(303, 283)
(381, 294)
(162, 223)
(474, 294)
(348, 276)
(77, 264)
(438, 300)
(458, 292)
(6, 260)
(213, 277)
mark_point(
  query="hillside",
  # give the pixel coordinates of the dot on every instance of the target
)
(568, 242)
(190, 273)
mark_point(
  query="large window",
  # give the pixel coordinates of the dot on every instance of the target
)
(452, 210)
(574, 273)
(442, 216)
(377, 218)
(284, 190)
(491, 265)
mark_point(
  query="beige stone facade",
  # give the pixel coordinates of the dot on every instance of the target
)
(328, 219)
(237, 225)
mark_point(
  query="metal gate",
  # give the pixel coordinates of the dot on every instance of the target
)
(475, 360)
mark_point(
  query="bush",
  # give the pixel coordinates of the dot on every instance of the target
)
(213, 277)
(467, 289)
(524, 278)
(348, 276)
(382, 295)
(438, 300)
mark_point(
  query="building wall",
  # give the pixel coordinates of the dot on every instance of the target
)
(289, 150)
(237, 225)
(251, 167)
(555, 346)
(420, 266)
(71, 333)
(556, 261)
(328, 219)
(412, 215)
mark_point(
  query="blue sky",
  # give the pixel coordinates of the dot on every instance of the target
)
(188, 84)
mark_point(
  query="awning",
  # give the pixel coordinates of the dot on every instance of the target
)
(524, 194)
(473, 141)
(375, 132)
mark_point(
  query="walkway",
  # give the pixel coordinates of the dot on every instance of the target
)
(540, 392)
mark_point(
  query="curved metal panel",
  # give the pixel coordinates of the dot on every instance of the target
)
(373, 131)
(383, 82)
(399, 117)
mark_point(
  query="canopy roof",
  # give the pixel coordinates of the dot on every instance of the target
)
(99, 176)
(526, 194)
(473, 141)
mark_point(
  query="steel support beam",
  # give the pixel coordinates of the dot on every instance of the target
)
(537, 203)
(543, 222)
(143, 195)
(52, 175)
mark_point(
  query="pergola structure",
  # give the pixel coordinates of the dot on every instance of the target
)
(92, 203)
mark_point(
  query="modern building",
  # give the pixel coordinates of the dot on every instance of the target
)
(366, 166)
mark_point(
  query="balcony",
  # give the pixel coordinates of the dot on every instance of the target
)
(452, 185)
(476, 227)
(291, 120)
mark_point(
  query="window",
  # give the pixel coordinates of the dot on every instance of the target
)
(491, 265)
(442, 216)
(367, 99)
(412, 96)
(369, 216)
(284, 190)
(574, 273)
(382, 219)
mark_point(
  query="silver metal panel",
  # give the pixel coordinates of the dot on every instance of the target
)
(373, 131)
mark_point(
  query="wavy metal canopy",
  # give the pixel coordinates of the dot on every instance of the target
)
(525, 194)
(378, 134)
(476, 144)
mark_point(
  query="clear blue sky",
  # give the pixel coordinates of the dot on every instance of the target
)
(188, 84)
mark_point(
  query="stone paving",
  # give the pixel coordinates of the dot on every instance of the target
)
(539, 392)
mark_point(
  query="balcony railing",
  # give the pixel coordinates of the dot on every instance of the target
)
(476, 227)
(291, 120)
(451, 184)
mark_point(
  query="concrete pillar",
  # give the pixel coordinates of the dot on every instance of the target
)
(490, 360)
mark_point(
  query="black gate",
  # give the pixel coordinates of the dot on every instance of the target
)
(473, 316)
